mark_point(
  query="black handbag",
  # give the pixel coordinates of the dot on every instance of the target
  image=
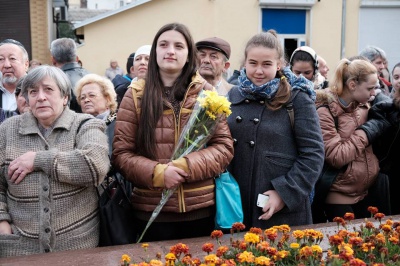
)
(117, 223)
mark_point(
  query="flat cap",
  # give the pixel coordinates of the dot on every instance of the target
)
(215, 43)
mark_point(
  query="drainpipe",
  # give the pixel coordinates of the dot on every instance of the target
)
(343, 43)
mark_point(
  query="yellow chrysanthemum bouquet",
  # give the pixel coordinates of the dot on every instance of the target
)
(206, 114)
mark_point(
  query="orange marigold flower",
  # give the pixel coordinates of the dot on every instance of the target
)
(196, 261)
(208, 247)
(356, 241)
(212, 258)
(394, 240)
(271, 233)
(343, 233)
(222, 250)
(373, 210)
(187, 259)
(256, 230)
(144, 264)
(335, 240)
(251, 238)
(357, 262)
(339, 221)
(284, 228)
(380, 238)
(298, 234)
(246, 257)
(348, 216)
(216, 234)
(125, 258)
(262, 260)
(272, 251)
(369, 225)
(243, 245)
(262, 246)
(306, 252)
(379, 216)
(156, 263)
(238, 227)
(386, 228)
(178, 249)
(389, 222)
(366, 247)
(230, 262)
(282, 254)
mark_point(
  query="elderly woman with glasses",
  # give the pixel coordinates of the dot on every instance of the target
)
(52, 159)
(97, 97)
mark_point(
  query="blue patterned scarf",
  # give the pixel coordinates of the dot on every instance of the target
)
(268, 90)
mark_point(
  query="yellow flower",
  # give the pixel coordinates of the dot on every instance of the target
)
(284, 228)
(262, 260)
(252, 238)
(155, 263)
(298, 234)
(246, 257)
(294, 245)
(125, 258)
(212, 258)
(316, 248)
(170, 257)
(214, 104)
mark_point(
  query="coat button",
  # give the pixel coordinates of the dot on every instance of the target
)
(47, 250)
(234, 141)
(262, 102)
(239, 119)
(47, 230)
(247, 101)
(256, 120)
(46, 147)
(45, 188)
(46, 210)
(252, 144)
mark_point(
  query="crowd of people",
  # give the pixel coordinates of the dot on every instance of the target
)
(62, 129)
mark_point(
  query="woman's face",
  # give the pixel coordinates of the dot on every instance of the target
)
(261, 64)
(304, 68)
(363, 91)
(172, 52)
(396, 78)
(140, 66)
(92, 100)
(46, 102)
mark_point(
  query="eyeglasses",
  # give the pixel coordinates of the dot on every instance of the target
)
(89, 96)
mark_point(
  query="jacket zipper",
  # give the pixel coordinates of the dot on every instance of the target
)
(181, 194)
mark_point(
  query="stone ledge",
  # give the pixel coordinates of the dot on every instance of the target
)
(112, 255)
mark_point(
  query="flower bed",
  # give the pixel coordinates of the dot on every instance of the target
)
(367, 244)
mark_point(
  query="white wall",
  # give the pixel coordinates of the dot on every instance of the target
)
(379, 27)
(105, 4)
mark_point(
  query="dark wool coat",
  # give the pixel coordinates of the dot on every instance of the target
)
(271, 155)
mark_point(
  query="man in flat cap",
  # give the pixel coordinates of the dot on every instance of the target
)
(213, 57)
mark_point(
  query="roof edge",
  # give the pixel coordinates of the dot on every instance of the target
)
(110, 13)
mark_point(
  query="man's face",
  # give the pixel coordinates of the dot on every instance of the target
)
(13, 65)
(379, 64)
(211, 63)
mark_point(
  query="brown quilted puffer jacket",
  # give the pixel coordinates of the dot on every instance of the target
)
(197, 192)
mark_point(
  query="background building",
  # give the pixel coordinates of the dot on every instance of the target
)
(335, 29)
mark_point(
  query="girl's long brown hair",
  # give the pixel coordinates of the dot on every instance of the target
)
(270, 40)
(152, 101)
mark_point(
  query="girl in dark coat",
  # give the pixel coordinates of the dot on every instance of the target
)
(273, 156)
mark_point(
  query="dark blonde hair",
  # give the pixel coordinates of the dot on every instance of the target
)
(270, 40)
(357, 70)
